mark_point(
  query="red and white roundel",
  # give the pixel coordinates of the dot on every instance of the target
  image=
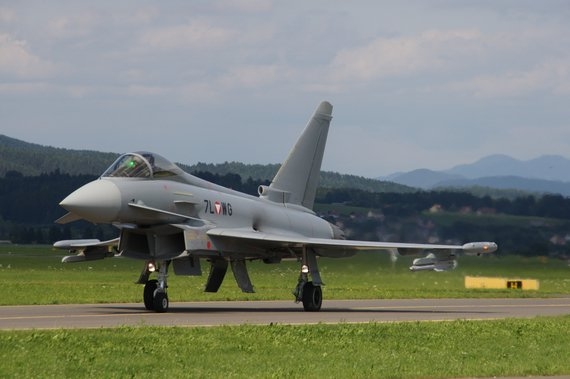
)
(218, 207)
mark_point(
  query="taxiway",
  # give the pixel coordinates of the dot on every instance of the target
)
(282, 312)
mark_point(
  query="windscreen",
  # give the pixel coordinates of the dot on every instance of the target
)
(142, 165)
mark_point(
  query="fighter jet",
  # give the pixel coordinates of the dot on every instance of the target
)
(166, 216)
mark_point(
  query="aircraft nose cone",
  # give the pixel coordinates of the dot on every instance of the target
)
(98, 201)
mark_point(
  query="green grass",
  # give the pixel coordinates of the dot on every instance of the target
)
(400, 350)
(34, 275)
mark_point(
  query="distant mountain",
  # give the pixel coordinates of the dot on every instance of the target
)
(547, 167)
(545, 174)
(423, 178)
(32, 159)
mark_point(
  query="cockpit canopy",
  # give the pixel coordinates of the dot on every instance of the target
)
(142, 164)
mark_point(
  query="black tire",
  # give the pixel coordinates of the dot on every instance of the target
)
(160, 302)
(148, 294)
(312, 297)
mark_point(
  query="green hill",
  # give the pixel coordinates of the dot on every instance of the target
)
(32, 159)
(328, 179)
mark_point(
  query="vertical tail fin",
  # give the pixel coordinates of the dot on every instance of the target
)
(298, 177)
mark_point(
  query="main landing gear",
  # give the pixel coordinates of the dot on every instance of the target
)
(309, 292)
(154, 295)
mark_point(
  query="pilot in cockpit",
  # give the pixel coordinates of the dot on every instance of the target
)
(150, 159)
(142, 165)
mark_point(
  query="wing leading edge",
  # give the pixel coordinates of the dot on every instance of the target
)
(440, 257)
(89, 249)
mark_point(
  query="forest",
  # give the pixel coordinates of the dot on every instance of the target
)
(527, 225)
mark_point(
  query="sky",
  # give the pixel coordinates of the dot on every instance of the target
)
(414, 84)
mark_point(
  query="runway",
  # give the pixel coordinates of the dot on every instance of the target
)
(282, 312)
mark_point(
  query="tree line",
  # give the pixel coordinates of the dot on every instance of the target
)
(393, 203)
(29, 205)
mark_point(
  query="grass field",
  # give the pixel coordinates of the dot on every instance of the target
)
(34, 275)
(402, 350)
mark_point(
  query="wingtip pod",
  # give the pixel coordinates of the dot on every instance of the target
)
(477, 248)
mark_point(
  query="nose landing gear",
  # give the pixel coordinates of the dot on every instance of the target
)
(154, 295)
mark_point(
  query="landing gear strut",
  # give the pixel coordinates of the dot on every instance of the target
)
(154, 294)
(309, 292)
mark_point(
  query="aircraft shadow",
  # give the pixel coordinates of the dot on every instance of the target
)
(201, 309)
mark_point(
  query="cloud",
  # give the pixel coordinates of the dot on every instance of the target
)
(17, 59)
(198, 34)
(490, 64)
(551, 76)
(39, 87)
(76, 24)
(389, 56)
(24, 88)
(7, 15)
(252, 76)
(147, 90)
(143, 15)
(246, 6)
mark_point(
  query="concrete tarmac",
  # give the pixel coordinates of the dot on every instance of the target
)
(282, 312)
